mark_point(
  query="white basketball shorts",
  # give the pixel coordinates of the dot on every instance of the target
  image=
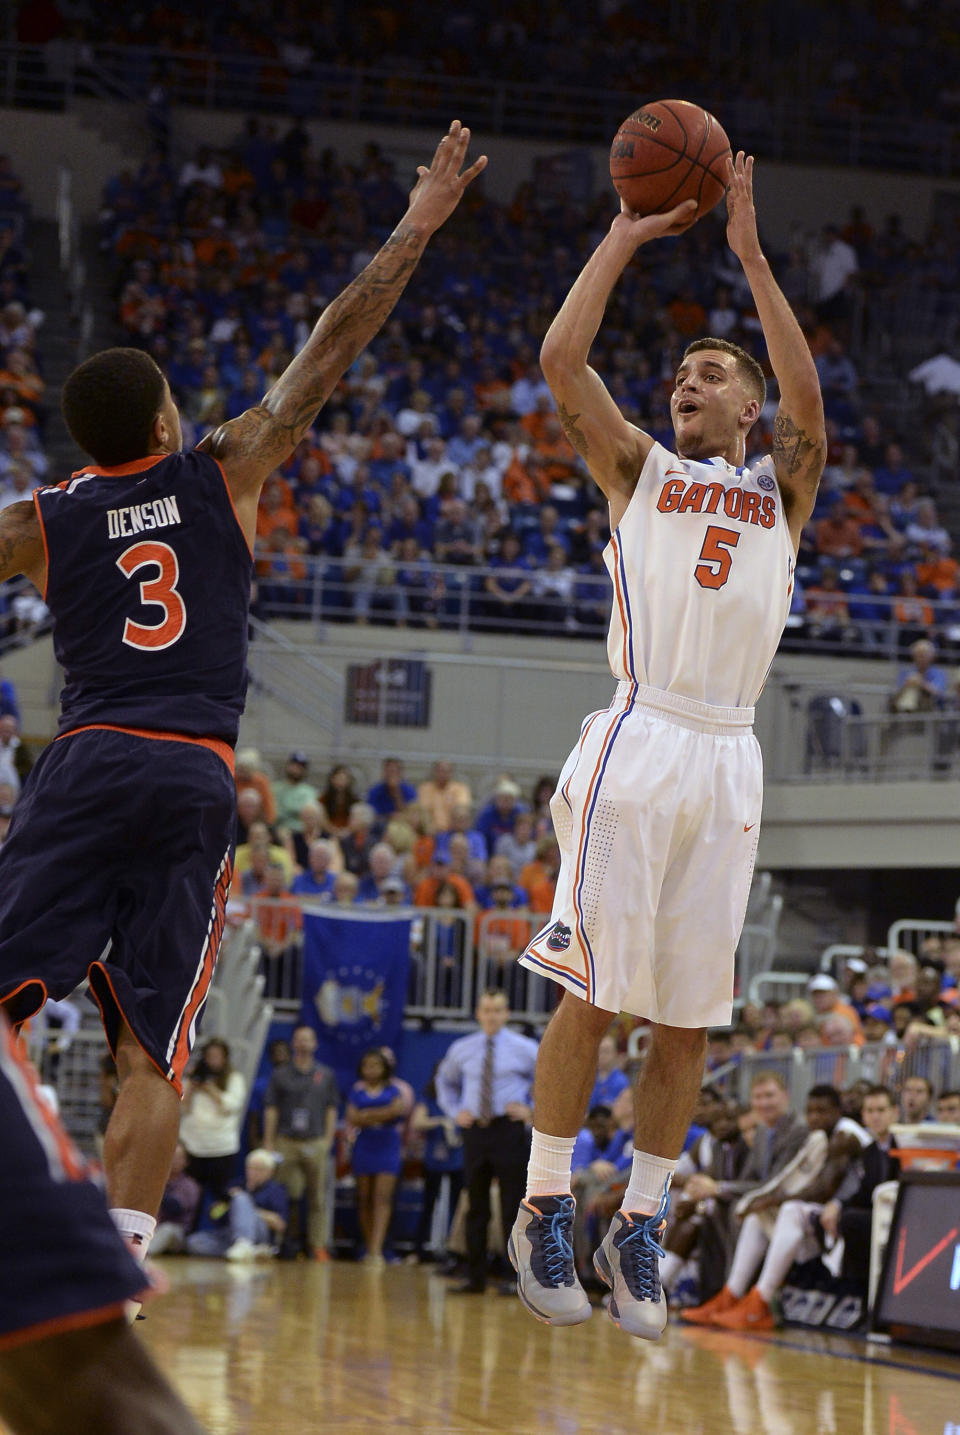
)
(657, 813)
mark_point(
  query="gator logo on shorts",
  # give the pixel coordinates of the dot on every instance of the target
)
(764, 481)
(559, 938)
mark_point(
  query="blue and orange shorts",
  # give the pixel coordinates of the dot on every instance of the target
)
(116, 868)
(64, 1265)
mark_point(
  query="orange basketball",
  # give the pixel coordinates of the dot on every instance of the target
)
(666, 152)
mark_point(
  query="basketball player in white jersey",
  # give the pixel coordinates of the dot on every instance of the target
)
(657, 809)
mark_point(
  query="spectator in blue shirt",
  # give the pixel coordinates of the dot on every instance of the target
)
(318, 880)
(611, 1080)
(497, 817)
(461, 822)
(9, 706)
(256, 1218)
(485, 1084)
(923, 686)
(391, 794)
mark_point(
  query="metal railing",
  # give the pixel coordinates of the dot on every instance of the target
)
(789, 126)
(455, 955)
(909, 933)
(880, 1063)
(427, 595)
(830, 731)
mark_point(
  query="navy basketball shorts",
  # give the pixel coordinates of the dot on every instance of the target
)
(64, 1265)
(117, 867)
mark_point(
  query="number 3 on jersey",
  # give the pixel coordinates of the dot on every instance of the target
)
(160, 591)
(717, 543)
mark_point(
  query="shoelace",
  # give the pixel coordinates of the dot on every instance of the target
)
(557, 1247)
(641, 1268)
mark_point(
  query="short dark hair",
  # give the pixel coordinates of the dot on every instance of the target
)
(750, 371)
(880, 1091)
(825, 1092)
(109, 404)
(386, 1065)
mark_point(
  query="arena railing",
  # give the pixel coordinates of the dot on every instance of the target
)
(909, 933)
(830, 730)
(790, 127)
(432, 595)
(883, 1064)
(455, 954)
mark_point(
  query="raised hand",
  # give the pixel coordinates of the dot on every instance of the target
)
(741, 215)
(643, 227)
(439, 188)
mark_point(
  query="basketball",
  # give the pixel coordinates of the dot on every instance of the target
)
(666, 152)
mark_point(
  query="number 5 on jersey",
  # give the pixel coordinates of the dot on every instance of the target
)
(160, 591)
(713, 569)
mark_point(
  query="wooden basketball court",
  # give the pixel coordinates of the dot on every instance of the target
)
(287, 1349)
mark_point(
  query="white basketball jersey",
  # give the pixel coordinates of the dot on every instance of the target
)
(702, 567)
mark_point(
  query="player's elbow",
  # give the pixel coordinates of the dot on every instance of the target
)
(558, 360)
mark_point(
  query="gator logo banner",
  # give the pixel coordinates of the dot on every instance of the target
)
(355, 973)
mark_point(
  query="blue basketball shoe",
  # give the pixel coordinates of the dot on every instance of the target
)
(541, 1252)
(628, 1261)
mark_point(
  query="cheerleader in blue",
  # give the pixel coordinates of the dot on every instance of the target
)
(377, 1108)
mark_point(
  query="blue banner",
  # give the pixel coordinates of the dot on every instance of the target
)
(355, 973)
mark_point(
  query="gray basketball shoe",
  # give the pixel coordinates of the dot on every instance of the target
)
(628, 1261)
(541, 1253)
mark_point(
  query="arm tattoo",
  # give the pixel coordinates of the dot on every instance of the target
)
(276, 425)
(798, 456)
(573, 432)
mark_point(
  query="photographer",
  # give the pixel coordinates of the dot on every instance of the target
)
(214, 1097)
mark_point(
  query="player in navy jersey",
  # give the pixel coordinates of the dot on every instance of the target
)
(119, 857)
(68, 1359)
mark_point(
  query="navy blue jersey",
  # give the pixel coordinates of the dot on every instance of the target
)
(148, 581)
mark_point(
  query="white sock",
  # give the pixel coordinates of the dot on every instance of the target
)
(650, 1179)
(752, 1244)
(136, 1228)
(549, 1169)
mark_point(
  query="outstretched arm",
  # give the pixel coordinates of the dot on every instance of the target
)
(21, 544)
(251, 446)
(799, 435)
(613, 449)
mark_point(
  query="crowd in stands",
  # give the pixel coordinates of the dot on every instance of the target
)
(441, 445)
(491, 865)
(884, 58)
(23, 464)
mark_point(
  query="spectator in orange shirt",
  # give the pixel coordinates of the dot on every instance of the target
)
(440, 794)
(279, 929)
(909, 609)
(277, 508)
(838, 535)
(502, 932)
(429, 887)
(525, 479)
(828, 614)
(687, 315)
(824, 993)
(249, 773)
(539, 877)
(535, 423)
(558, 458)
(860, 499)
(937, 570)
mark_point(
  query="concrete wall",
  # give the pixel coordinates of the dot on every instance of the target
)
(98, 139)
(517, 704)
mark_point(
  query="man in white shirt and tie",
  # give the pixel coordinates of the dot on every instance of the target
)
(484, 1083)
